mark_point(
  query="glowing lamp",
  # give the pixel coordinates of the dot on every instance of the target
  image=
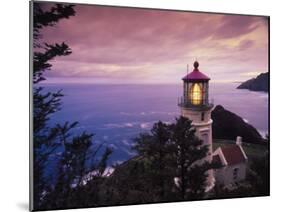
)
(196, 94)
(196, 86)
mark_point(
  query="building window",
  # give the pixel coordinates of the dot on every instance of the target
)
(205, 138)
(235, 173)
(202, 116)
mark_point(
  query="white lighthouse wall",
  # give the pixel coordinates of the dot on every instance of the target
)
(203, 126)
(196, 116)
(205, 134)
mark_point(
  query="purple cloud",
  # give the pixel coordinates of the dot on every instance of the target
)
(139, 45)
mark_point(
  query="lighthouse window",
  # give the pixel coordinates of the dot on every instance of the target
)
(235, 173)
(196, 94)
(202, 116)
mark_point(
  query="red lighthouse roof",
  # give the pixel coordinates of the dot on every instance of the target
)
(196, 74)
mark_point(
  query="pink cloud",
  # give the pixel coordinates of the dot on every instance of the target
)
(153, 45)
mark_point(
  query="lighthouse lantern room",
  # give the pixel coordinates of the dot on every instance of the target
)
(196, 88)
(195, 105)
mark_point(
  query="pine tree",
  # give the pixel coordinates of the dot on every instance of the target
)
(190, 154)
(157, 147)
(45, 103)
(71, 153)
(174, 152)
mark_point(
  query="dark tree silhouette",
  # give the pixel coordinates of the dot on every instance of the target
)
(260, 176)
(55, 145)
(166, 152)
(43, 18)
(191, 168)
(44, 103)
(157, 147)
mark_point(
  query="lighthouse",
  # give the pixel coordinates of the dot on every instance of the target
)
(195, 105)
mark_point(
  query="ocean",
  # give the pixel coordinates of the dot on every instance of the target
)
(116, 114)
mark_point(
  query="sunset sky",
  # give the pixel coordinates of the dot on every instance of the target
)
(125, 45)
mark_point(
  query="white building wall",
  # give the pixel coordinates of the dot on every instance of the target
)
(224, 176)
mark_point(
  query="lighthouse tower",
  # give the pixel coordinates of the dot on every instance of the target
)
(195, 105)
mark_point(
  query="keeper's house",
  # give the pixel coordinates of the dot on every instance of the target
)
(233, 162)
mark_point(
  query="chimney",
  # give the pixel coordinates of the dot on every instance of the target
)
(187, 68)
(239, 140)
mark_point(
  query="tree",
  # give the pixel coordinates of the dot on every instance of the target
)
(171, 152)
(157, 148)
(45, 103)
(55, 145)
(191, 166)
(45, 52)
(259, 174)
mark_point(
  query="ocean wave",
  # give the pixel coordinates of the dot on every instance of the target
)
(119, 125)
(143, 113)
(142, 125)
(126, 142)
(118, 162)
(145, 125)
(129, 124)
(113, 146)
(128, 152)
(245, 120)
(263, 133)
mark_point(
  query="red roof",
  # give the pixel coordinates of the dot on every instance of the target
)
(196, 74)
(233, 155)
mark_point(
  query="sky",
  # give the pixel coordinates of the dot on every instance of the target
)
(129, 45)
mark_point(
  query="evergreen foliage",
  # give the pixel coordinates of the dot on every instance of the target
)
(169, 151)
(61, 160)
(191, 166)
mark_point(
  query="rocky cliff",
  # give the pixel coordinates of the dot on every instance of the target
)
(228, 125)
(260, 83)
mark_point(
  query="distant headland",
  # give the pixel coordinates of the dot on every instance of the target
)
(260, 83)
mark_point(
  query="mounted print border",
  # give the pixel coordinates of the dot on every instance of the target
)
(143, 105)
